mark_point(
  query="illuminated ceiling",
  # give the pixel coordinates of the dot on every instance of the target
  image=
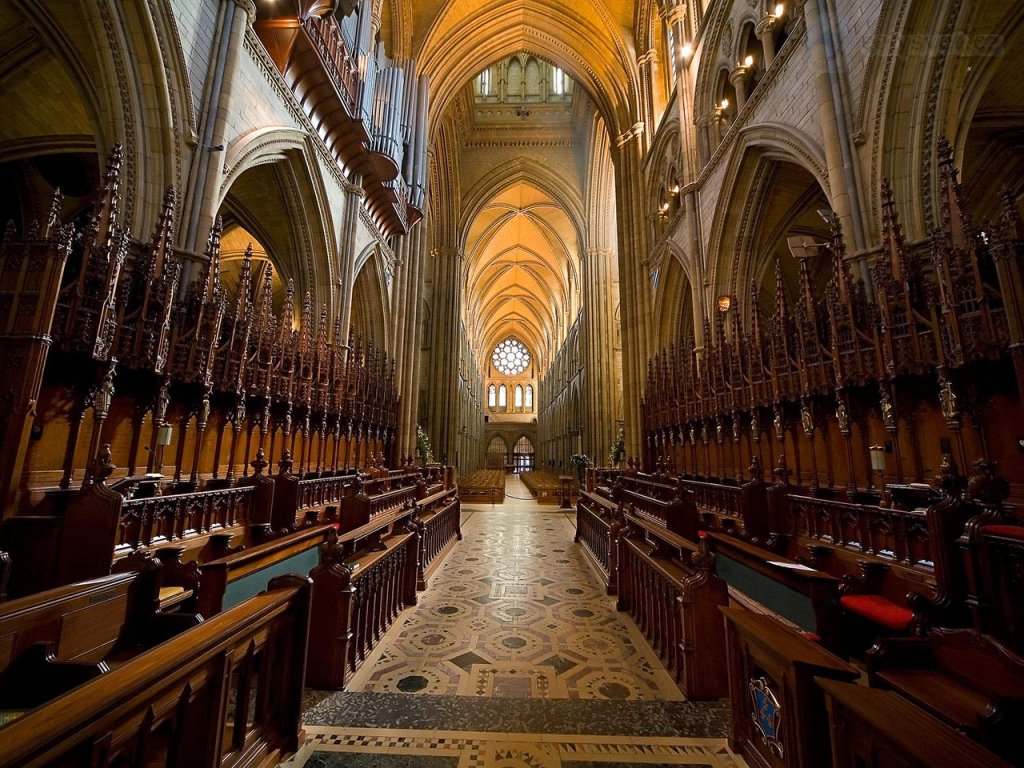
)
(521, 280)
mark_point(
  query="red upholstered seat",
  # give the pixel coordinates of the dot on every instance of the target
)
(1013, 531)
(879, 610)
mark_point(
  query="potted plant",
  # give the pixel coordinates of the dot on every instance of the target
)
(581, 461)
(618, 449)
(423, 449)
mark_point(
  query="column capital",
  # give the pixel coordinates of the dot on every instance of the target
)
(648, 57)
(738, 75)
(635, 132)
(674, 12)
(766, 26)
(249, 6)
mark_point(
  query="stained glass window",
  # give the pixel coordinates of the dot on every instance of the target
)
(511, 357)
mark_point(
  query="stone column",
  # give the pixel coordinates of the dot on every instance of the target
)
(597, 337)
(634, 291)
(833, 119)
(347, 252)
(444, 351)
(205, 175)
(765, 31)
(738, 78)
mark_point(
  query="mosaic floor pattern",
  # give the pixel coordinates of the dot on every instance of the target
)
(513, 657)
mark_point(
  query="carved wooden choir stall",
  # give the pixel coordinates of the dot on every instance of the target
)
(153, 579)
(871, 541)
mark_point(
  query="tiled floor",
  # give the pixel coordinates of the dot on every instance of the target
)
(513, 657)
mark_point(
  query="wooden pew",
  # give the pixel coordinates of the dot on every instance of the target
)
(993, 548)
(900, 569)
(778, 710)
(872, 727)
(968, 680)
(305, 501)
(54, 640)
(228, 581)
(485, 486)
(734, 509)
(666, 585)
(5, 574)
(87, 531)
(227, 693)
(807, 597)
(546, 487)
(670, 505)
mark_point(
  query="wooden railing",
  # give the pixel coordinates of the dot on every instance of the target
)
(675, 605)
(597, 528)
(355, 600)
(227, 693)
(438, 521)
(164, 519)
(895, 534)
(334, 54)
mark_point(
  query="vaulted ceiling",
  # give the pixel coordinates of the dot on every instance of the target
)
(591, 39)
(521, 282)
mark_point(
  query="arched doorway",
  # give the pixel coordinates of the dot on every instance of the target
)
(496, 453)
(522, 455)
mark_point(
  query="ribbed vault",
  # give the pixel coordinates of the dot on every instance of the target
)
(585, 38)
(522, 256)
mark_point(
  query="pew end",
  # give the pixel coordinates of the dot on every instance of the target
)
(968, 680)
(36, 676)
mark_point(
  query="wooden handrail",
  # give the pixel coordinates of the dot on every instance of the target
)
(180, 687)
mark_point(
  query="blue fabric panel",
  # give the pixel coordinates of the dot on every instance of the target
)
(255, 582)
(776, 597)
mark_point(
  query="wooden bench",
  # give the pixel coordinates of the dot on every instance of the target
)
(483, 486)
(5, 574)
(670, 505)
(229, 580)
(879, 728)
(778, 710)
(741, 509)
(967, 680)
(54, 640)
(226, 693)
(546, 487)
(994, 550)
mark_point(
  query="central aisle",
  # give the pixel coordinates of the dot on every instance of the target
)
(514, 657)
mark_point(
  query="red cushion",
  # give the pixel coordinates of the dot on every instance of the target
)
(336, 526)
(1013, 531)
(879, 610)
